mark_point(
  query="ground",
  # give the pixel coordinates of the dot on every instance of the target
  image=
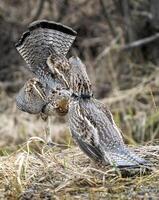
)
(36, 171)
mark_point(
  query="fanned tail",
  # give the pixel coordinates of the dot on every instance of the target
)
(35, 45)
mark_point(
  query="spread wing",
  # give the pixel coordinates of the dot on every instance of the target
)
(83, 133)
(103, 121)
(108, 137)
(36, 44)
(108, 115)
(79, 80)
(32, 97)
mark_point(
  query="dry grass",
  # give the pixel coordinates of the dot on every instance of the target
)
(36, 171)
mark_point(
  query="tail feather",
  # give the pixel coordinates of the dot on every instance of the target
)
(45, 33)
(37, 43)
(124, 158)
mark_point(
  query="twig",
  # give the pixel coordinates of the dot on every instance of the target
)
(108, 18)
(145, 14)
(63, 10)
(139, 43)
(154, 6)
(39, 10)
(10, 84)
(118, 6)
(135, 44)
(131, 93)
(127, 19)
(107, 49)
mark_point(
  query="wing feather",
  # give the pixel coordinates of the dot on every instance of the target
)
(83, 133)
(29, 99)
(110, 141)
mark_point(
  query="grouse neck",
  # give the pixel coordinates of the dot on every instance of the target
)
(81, 96)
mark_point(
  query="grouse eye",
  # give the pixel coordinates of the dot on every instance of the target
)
(57, 88)
(53, 91)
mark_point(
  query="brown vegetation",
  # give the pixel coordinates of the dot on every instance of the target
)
(119, 45)
(38, 172)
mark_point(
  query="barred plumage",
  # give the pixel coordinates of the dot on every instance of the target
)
(78, 80)
(36, 45)
(73, 76)
(92, 125)
(43, 38)
(34, 98)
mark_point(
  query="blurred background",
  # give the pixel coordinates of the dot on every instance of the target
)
(118, 40)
